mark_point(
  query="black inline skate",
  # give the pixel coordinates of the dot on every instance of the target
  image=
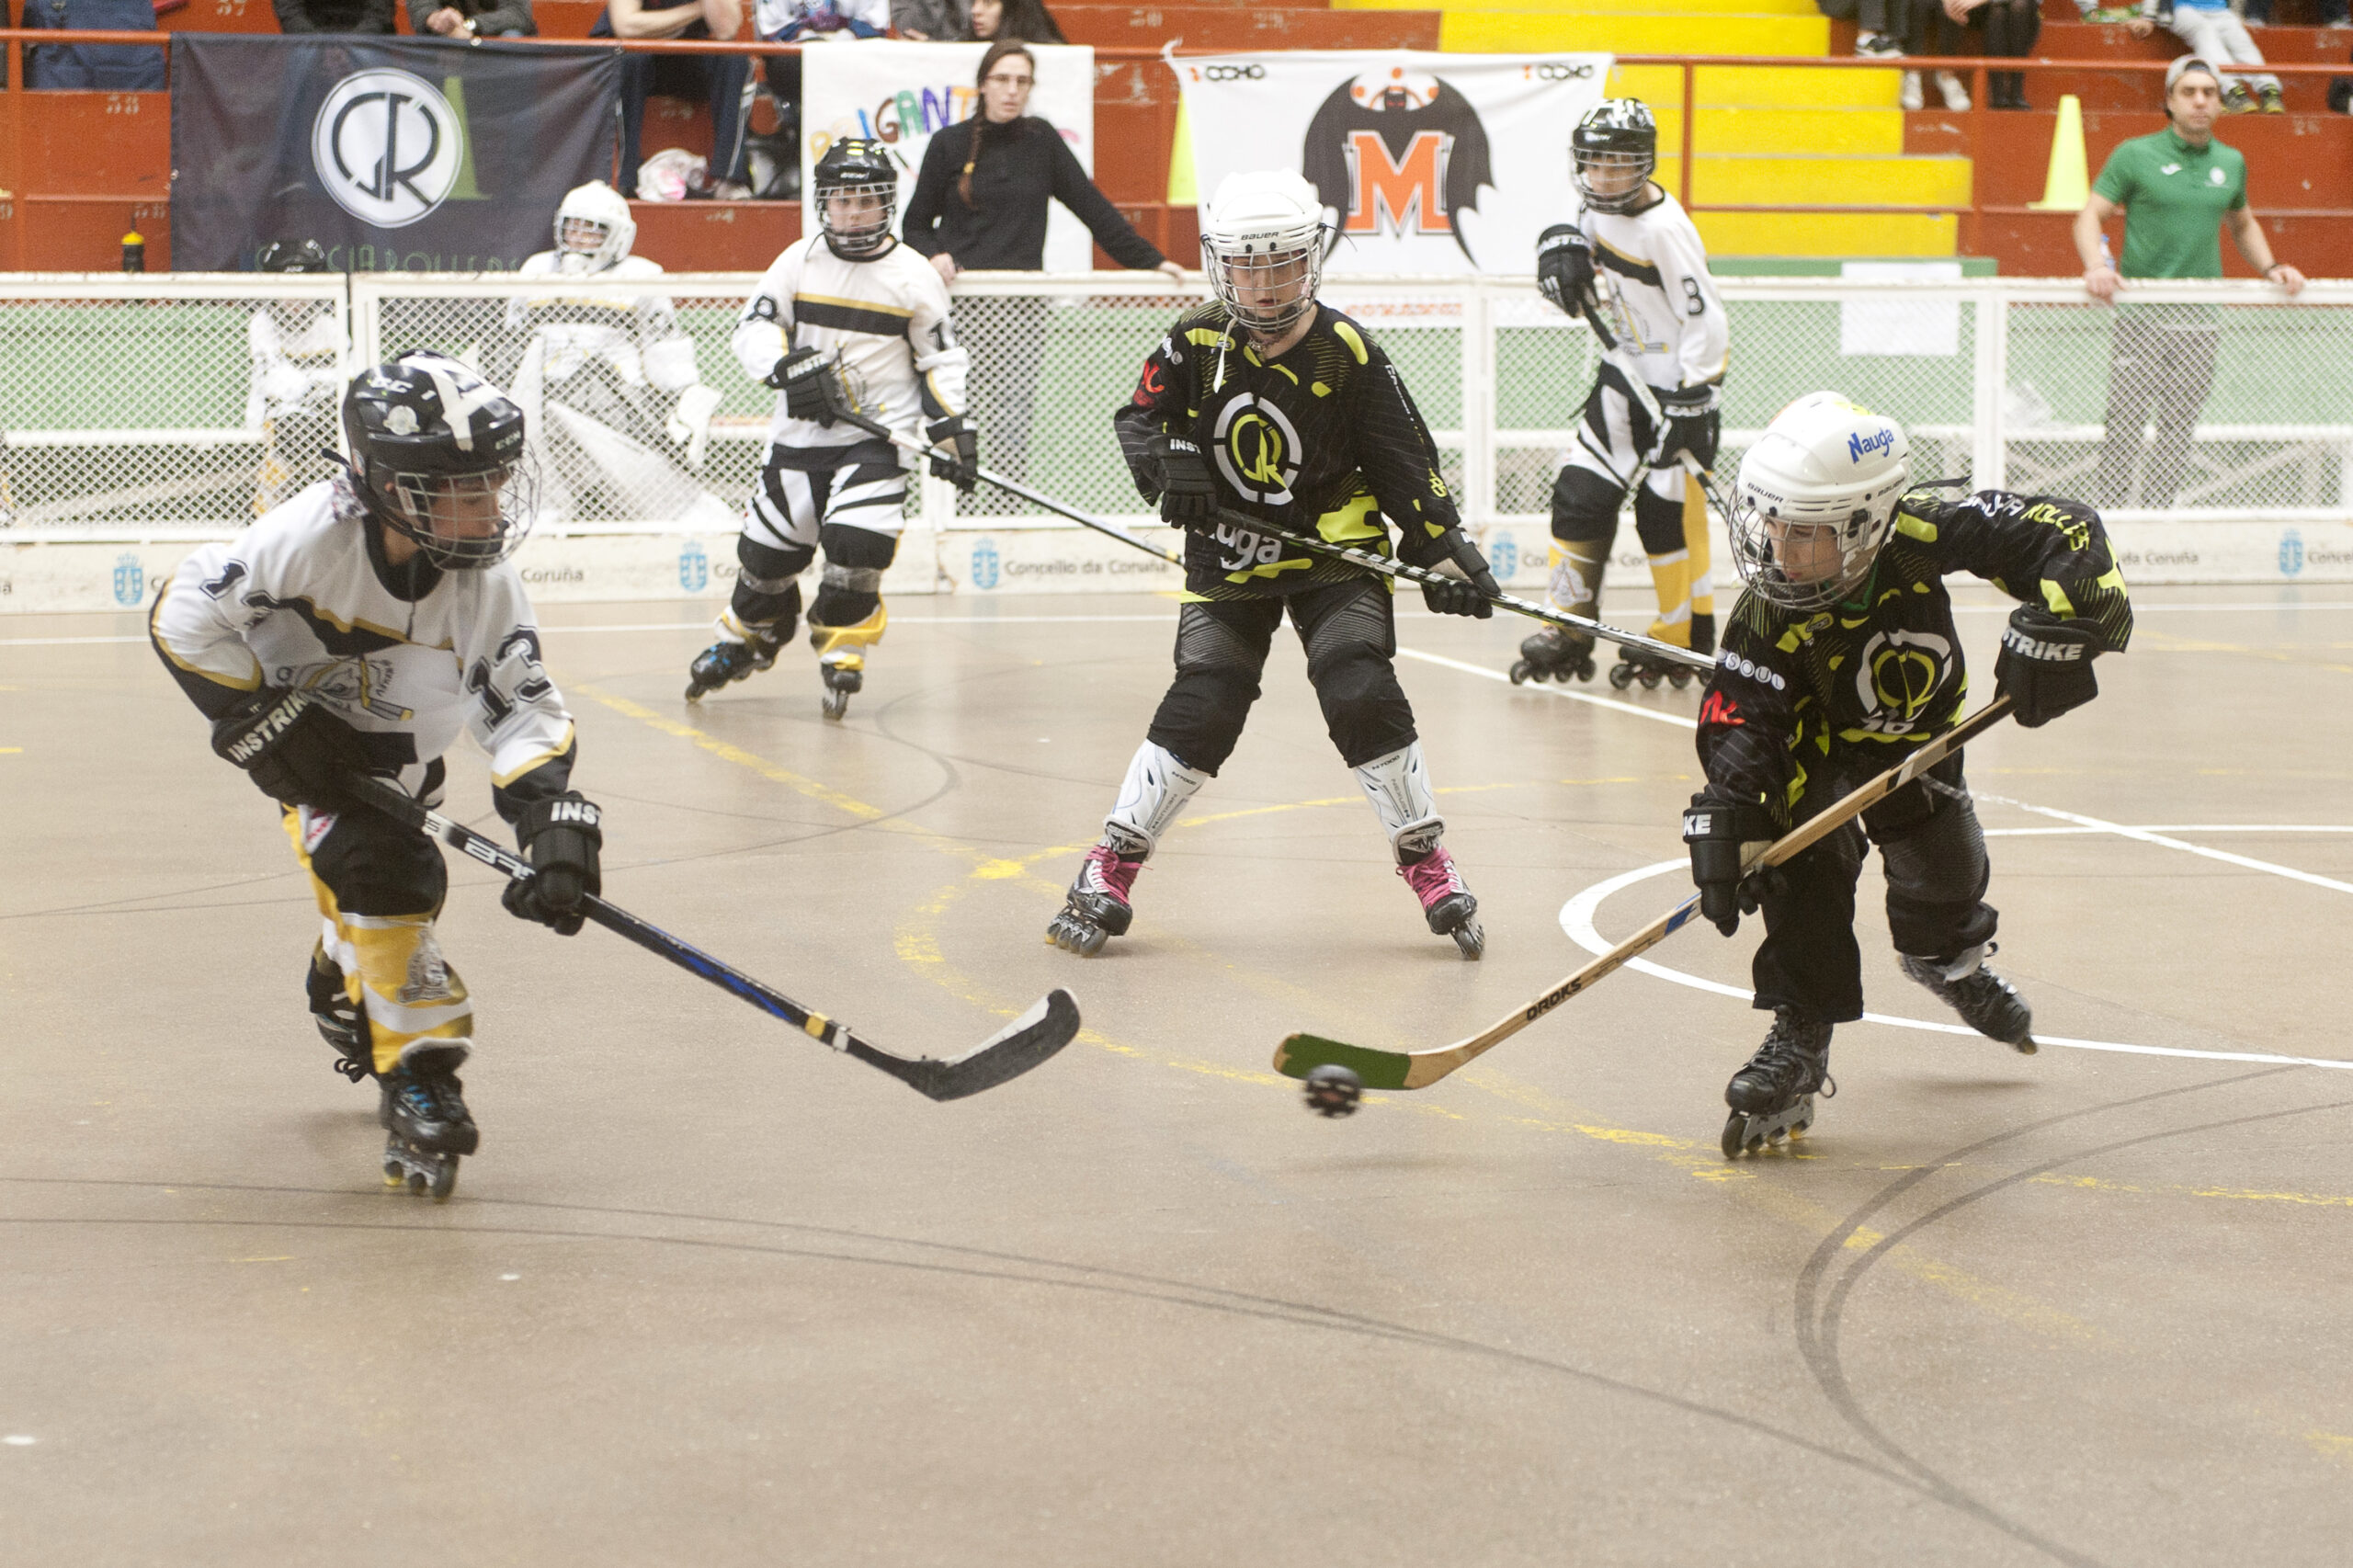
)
(845, 676)
(728, 660)
(1772, 1097)
(1098, 907)
(1640, 665)
(1554, 653)
(1985, 1002)
(425, 1112)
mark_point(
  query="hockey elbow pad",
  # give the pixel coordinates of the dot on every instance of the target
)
(960, 464)
(1187, 492)
(562, 838)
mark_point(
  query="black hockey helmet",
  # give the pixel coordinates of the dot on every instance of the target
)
(854, 166)
(1612, 154)
(438, 457)
(291, 256)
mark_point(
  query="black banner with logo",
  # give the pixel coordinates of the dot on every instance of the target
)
(394, 154)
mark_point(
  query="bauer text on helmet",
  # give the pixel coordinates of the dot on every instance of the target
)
(593, 228)
(1816, 499)
(1263, 247)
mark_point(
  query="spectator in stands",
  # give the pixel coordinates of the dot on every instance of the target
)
(472, 18)
(932, 21)
(1013, 21)
(2333, 13)
(980, 202)
(1879, 25)
(2175, 188)
(334, 16)
(2010, 28)
(723, 80)
(2212, 32)
(1928, 30)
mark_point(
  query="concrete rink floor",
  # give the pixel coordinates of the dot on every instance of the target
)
(710, 1294)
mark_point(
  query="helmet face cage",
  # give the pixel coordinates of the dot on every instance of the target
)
(1763, 526)
(853, 169)
(593, 228)
(583, 237)
(1613, 153)
(439, 458)
(462, 522)
(1267, 281)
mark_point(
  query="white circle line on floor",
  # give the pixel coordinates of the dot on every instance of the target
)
(1577, 919)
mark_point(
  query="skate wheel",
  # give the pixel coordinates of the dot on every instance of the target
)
(1650, 679)
(1520, 671)
(1471, 938)
(1734, 1132)
(1621, 675)
(1679, 679)
(444, 1179)
(693, 692)
(2025, 1047)
(836, 704)
(1586, 671)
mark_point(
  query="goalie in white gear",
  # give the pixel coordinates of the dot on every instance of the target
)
(298, 348)
(847, 307)
(1633, 266)
(592, 366)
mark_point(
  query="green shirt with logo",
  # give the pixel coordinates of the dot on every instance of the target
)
(2175, 197)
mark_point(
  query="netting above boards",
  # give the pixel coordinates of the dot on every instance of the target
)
(137, 407)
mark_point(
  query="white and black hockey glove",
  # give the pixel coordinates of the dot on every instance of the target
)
(561, 837)
(1188, 491)
(811, 387)
(1694, 425)
(1470, 588)
(963, 469)
(2045, 664)
(1564, 275)
(1718, 832)
(291, 748)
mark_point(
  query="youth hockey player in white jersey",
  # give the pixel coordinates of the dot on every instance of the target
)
(590, 367)
(1633, 265)
(298, 348)
(850, 295)
(355, 629)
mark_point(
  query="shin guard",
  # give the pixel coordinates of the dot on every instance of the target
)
(1399, 788)
(1156, 788)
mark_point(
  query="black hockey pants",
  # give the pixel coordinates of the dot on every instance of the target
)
(1351, 638)
(1934, 853)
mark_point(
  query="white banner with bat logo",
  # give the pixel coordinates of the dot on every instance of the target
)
(1427, 163)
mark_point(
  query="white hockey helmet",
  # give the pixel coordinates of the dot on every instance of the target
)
(1816, 499)
(1262, 244)
(593, 228)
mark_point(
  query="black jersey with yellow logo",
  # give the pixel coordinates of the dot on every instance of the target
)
(1322, 438)
(1799, 696)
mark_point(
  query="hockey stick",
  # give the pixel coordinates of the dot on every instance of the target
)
(1022, 1044)
(1371, 563)
(1303, 1053)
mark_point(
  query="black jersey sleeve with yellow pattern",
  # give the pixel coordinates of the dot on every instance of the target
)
(1162, 403)
(2042, 550)
(1394, 451)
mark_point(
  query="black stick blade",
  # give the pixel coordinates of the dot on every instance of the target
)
(1022, 1044)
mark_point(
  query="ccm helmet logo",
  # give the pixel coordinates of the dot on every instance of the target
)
(1880, 441)
(1234, 73)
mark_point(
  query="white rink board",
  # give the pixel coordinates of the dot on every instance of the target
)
(44, 578)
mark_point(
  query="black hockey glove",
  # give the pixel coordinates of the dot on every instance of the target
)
(1717, 831)
(1187, 492)
(2045, 664)
(1564, 275)
(1694, 425)
(561, 838)
(1470, 588)
(963, 470)
(291, 748)
(811, 385)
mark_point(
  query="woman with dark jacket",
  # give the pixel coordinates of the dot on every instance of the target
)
(980, 203)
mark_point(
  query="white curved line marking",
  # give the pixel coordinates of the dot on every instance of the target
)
(1577, 919)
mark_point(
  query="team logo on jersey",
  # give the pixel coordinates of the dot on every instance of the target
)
(356, 682)
(1257, 450)
(1898, 673)
(1399, 153)
(387, 147)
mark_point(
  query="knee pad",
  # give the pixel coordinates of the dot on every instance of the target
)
(1356, 627)
(847, 545)
(1201, 717)
(768, 569)
(1658, 522)
(1584, 507)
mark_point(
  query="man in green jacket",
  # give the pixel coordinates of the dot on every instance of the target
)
(2177, 188)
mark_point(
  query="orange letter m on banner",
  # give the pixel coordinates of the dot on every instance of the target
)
(1408, 192)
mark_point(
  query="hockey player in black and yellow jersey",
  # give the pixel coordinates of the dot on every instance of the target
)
(1268, 404)
(1841, 658)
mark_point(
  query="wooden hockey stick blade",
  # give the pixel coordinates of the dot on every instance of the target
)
(1300, 1055)
(1049, 1024)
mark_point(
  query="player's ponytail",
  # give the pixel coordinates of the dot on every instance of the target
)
(980, 122)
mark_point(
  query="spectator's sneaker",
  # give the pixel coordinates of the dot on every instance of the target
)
(2272, 102)
(1956, 96)
(2236, 99)
(1908, 96)
(1877, 46)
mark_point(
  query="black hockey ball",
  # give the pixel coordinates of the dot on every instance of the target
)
(1334, 1090)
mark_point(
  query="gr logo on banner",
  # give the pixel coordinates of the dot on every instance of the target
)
(388, 147)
